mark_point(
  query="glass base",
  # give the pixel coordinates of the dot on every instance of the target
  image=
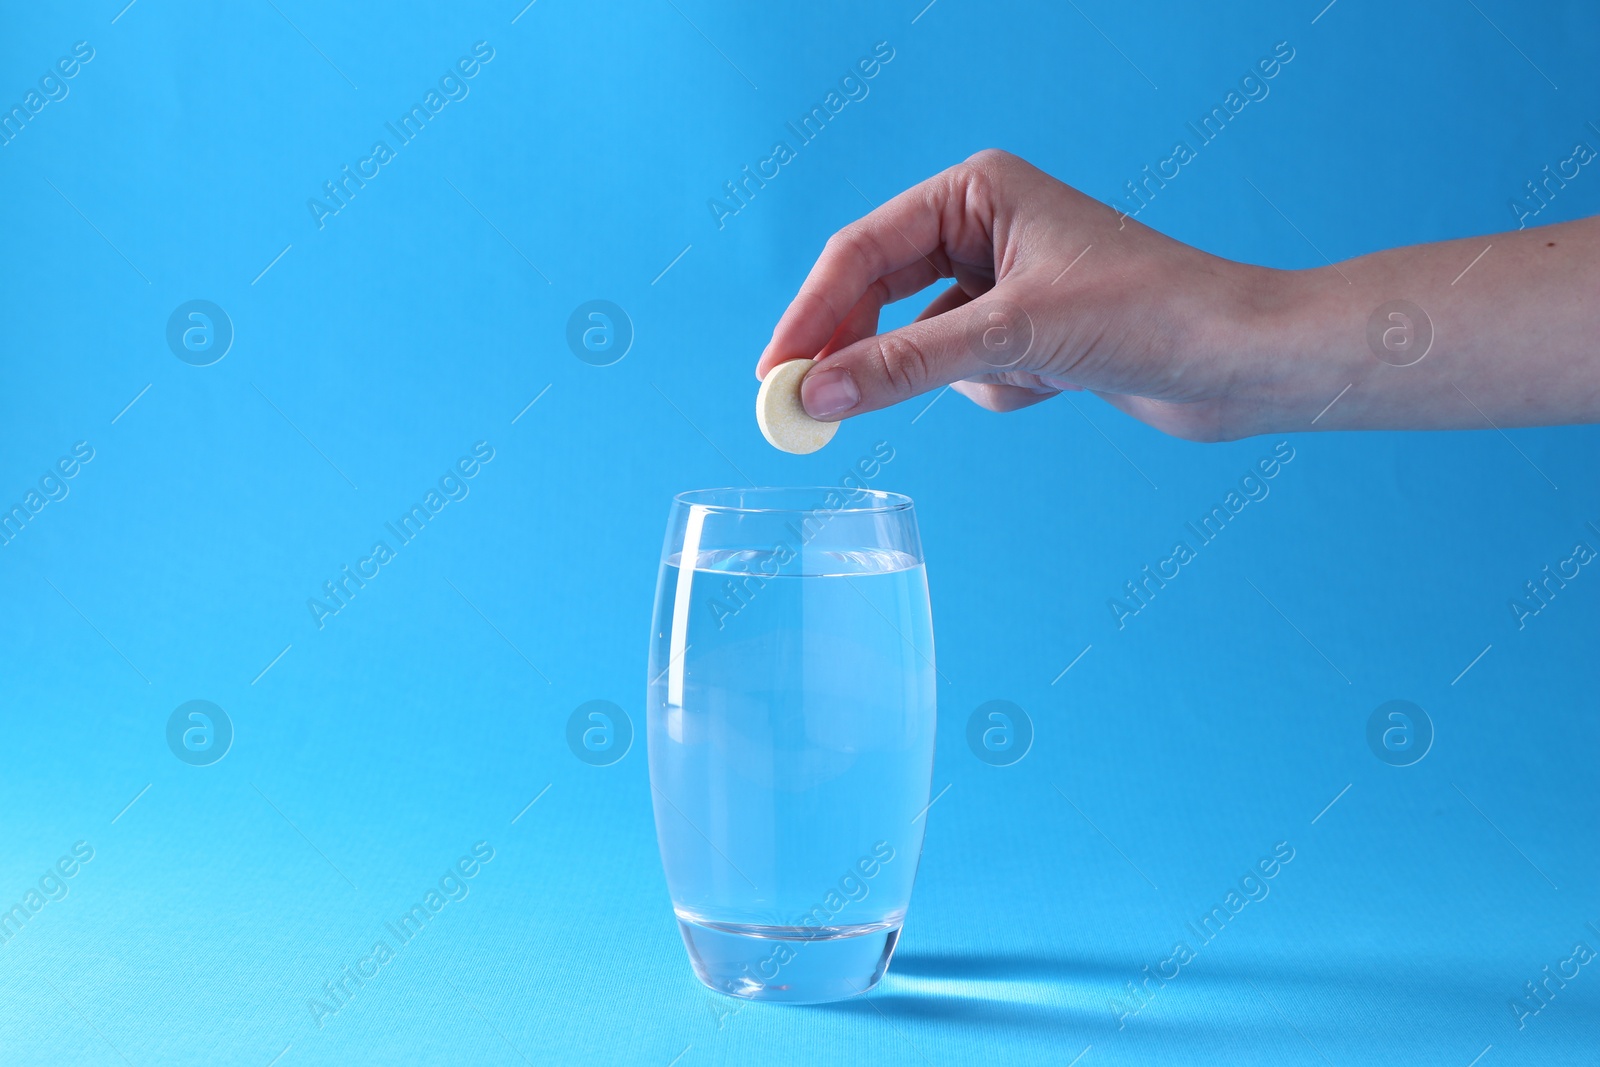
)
(789, 964)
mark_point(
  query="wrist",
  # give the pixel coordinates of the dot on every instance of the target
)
(1277, 337)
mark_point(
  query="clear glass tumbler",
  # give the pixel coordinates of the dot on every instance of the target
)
(791, 727)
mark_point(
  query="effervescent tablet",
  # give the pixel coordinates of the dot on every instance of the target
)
(782, 418)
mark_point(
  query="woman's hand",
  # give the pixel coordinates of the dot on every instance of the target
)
(1056, 291)
(1053, 291)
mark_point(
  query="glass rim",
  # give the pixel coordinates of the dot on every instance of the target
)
(875, 501)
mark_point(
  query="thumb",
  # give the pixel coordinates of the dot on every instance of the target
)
(984, 336)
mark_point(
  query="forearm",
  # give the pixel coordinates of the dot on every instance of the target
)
(1515, 337)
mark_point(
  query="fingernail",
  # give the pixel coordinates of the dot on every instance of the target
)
(829, 392)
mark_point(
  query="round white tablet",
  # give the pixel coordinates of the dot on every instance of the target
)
(783, 421)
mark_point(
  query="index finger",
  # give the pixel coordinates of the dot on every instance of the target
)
(901, 247)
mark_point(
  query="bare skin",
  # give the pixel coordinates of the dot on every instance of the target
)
(1056, 291)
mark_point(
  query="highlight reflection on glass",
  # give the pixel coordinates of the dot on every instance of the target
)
(791, 726)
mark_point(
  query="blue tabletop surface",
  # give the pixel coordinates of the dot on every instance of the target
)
(356, 348)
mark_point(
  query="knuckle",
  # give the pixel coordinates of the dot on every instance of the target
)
(813, 300)
(992, 396)
(857, 243)
(981, 394)
(839, 242)
(854, 239)
(988, 170)
(904, 363)
(980, 179)
(990, 159)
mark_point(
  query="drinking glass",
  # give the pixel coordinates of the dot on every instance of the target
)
(791, 727)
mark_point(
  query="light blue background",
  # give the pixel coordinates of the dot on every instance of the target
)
(428, 713)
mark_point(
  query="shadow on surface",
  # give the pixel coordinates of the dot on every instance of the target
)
(1014, 991)
(964, 1011)
(1008, 966)
(1282, 1003)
